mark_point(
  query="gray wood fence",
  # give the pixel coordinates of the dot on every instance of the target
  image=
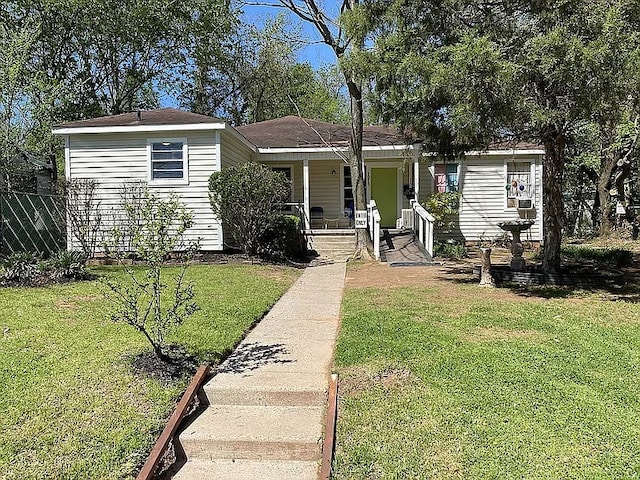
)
(32, 223)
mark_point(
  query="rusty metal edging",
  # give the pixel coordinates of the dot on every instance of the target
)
(329, 445)
(159, 449)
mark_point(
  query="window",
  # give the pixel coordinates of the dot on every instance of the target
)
(519, 186)
(168, 160)
(347, 203)
(446, 177)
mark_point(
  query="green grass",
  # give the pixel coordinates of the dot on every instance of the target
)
(456, 381)
(71, 406)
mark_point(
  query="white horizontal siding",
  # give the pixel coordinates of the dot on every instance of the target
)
(233, 151)
(113, 159)
(483, 202)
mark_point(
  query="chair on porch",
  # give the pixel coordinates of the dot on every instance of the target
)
(317, 217)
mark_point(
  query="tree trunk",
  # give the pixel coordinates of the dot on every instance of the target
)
(553, 170)
(356, 163)
(607, 166)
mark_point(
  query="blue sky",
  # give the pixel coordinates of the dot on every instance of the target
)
(315, 53)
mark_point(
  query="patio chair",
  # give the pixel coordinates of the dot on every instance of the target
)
(317, 217)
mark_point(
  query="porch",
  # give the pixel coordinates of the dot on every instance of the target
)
(409, 244)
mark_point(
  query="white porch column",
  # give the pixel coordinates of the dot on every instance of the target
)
(416, 170)
(306, 201)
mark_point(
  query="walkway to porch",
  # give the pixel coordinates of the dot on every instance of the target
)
(399, 248)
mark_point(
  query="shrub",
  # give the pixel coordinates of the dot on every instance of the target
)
(83, 213)
(20, 268)
(617, 257)
(444, 207)
(247, 199)
(68, 265)
(148, 301)
(283, 238)
(449, 250)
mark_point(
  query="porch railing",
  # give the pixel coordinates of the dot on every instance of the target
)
(373, 220)
(423, 226)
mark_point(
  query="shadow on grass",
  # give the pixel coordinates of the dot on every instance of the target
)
(629, 291)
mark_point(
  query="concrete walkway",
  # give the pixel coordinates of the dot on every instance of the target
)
(266, 413)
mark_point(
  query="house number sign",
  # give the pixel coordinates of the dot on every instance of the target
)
(361, 219)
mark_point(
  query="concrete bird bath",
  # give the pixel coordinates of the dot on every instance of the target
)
(516, 227)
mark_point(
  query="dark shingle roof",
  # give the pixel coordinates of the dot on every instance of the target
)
(296, 132)
(163, 116)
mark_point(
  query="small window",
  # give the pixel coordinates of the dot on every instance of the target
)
(519, 186)
(446, 177)
(168, 160)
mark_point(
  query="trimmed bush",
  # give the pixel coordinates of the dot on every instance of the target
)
(247, 199)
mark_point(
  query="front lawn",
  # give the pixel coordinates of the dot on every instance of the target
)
(448, 380)
(71, 406)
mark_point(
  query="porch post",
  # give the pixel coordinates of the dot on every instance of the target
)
(306, 202)
(416, 171)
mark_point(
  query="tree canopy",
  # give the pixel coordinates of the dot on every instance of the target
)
(464, 73)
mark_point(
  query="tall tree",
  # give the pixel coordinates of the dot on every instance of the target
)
(345, 33)
(527, 70)
(261, 80)
(27, 106)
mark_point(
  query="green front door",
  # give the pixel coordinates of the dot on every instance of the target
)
(384, 190)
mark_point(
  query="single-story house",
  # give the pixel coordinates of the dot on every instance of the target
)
(176, 151)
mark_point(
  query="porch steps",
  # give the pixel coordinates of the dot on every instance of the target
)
(333, 244)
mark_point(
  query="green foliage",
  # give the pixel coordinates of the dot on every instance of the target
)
(448, 380)
(262, 80)
(284, 238)
(67, 264)
(147, 301)
(20, 268)
(83, 213)
(617, 257)
(101, 418)
(247, 200)
(453, 250)
(444, 207)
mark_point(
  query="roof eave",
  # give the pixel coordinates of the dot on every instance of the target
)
(139, 128)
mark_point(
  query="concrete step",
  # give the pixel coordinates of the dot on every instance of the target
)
(241, 469)
(255, 432)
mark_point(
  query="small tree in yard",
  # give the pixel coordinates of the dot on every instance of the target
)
(247, 199)
(147, 300)
(83, 213)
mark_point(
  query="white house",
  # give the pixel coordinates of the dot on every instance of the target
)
(176, 151)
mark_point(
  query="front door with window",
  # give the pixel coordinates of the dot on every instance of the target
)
(384, 190)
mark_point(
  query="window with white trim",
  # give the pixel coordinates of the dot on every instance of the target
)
(446, 177)
(519, 184)
(168, 160)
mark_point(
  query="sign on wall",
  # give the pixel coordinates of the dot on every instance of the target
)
(361, 219)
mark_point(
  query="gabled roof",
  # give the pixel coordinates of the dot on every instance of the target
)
(296, 132)
(162, 116)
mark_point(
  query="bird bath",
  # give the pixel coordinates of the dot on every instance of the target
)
(516, 227)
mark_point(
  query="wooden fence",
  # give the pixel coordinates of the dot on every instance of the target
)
(32, 223)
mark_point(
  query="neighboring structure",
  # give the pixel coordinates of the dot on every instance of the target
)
(177, 151)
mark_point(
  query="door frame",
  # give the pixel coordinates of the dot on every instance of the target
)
(398, 182)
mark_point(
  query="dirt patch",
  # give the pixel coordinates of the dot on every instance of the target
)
(492, 334)
(72, 302)
(177, 364)
(449, 280)
(358, 379)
